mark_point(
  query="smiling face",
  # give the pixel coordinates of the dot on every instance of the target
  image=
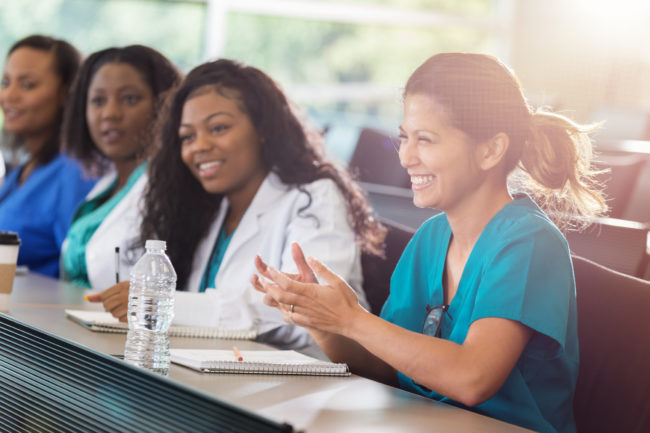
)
(220, 145)
(31, 93)
(119, 111)
(440, 159)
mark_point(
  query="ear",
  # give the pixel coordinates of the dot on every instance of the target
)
(492, 151)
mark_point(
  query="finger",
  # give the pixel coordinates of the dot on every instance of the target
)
(94, 297)
(122, 286)
(268, 300)
(262, 268)
(279, 294)
(301, 263)
(289, 284)
(257, 285)
(120, 312)
(329, 276)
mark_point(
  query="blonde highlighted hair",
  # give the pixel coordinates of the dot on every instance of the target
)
(549, 156)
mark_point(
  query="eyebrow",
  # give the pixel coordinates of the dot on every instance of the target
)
(210, 117)
(401, 129)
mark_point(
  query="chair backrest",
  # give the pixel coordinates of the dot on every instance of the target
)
(377, 271)
(613, 390)
(375, 160)
(620, 181)
(617, 244)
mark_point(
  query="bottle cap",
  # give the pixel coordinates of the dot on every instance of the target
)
(155, 244)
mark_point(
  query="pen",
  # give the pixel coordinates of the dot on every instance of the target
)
(117, 265)
(237, 354)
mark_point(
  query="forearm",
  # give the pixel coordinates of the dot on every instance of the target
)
(342, 349)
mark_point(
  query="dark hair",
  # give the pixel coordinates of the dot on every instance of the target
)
(66, 64)
(175, 198)
(483, 98)
(158, 73)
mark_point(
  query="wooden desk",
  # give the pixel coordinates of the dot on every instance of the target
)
(313, 404)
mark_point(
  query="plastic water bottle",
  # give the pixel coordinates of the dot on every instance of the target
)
(151, 309)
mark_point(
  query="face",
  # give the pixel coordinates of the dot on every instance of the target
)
(119, 111)
(439, 158)
(220, 145)
(31, 93)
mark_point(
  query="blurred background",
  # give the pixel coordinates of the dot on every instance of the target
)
(345, 62)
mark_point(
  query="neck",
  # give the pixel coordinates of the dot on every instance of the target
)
(468, 218)
(124, 168)
(239, 201)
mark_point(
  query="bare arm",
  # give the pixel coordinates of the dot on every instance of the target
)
(470, 373)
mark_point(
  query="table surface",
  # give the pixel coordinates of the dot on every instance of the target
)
(310, 403)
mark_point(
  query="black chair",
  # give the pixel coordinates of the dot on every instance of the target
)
(375, 160)
(617, 244)
(377, 271)
(613, 390)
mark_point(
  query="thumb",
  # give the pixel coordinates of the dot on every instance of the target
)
(95, 297)
(329, 276)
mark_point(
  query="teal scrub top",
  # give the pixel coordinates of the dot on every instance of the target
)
(519, 269)
(211, 270)
(87, 219)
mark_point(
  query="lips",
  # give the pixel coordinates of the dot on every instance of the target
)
(209, 168)
(112, 135)
(12, 113)
(421, 181)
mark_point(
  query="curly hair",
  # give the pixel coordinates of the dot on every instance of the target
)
(156, 70)
(290, 149)
(549, 155)
(66, 64)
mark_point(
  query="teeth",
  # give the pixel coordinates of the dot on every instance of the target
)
(206, 165)
(419, 180)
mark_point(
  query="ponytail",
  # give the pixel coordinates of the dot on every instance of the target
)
(556, 170)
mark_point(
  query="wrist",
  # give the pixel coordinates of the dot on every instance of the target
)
(356, 323)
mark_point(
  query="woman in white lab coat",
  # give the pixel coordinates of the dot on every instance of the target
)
(238, 174)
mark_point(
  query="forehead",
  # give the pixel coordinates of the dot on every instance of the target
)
(30, 60)
(117, 74)
(419, 108)
(208, 100)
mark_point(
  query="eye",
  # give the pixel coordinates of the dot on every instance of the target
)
(97, 101)
(185, 139)
(216, 129)
(27, 85)
(4, 83)
(131, 99)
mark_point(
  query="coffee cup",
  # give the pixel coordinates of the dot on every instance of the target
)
(9, 243)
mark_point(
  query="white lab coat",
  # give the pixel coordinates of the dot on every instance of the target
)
(119, 229)
(271, 223)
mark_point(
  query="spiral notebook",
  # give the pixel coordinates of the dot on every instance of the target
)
(256, 362)
(102, 321)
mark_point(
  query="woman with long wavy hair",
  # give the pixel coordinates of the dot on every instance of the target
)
(238, 174)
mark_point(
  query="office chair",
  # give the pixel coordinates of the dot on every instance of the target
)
(613, 390)
(377, 271)
(617, 244)
(375, 160)
(619, 181)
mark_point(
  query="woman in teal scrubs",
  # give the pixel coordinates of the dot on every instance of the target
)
(108, 127)
(482, 308)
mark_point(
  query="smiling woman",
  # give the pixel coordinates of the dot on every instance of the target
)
(239, 174)
(108, 126)
(38, 198)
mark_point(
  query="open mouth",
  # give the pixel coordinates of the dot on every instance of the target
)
(209, 168)
(112, 135)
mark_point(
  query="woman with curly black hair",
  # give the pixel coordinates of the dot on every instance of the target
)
(238, 174)
(108, 126)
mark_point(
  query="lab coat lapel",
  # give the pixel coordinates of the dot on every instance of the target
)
(266, 198)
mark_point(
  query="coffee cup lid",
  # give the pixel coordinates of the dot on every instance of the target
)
(9, 238)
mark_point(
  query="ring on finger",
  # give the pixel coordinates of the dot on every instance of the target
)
(291, 308)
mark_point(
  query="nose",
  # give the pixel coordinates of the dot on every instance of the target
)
(407, 153)
(202, 143)
(112, 109)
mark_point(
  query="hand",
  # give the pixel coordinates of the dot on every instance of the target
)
(115, 299)
(304, 275)
(329, 307)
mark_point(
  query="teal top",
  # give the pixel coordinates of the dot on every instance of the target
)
(88, 217)
(211, 270)
(519, 269)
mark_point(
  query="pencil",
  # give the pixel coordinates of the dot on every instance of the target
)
(237, 354)
(117, 265)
